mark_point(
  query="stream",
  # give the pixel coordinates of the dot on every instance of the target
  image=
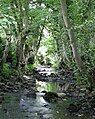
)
(19, 106)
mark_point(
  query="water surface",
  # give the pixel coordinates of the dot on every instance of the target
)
(18, 106)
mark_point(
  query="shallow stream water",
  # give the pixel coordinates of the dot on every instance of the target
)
(18, 106)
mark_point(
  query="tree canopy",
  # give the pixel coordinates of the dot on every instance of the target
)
(60, 33)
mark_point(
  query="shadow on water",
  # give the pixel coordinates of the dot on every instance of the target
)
(18, 106)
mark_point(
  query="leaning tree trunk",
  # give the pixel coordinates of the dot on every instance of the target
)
(71, 36)
(5, 53)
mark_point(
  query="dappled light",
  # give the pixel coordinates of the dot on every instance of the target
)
(47, 59)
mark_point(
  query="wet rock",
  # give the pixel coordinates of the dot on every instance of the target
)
(41, 116)
(5, 110)
(74, 108)
(44, 91)
(93, 116)
(31, 94)
(2, 84)
(79, 115)
(18, 85)
(4, 89)
(61, 95)
(2, 93)
(92, 102)
(1, 99)
(10, 84)
(46, 105)
(9, 87)
(51, 96)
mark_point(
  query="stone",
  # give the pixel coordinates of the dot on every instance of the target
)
(51, 96)
(74, 108)
(31, 94)
(1, 99)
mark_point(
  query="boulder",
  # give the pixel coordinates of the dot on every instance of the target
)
(51, 96)
(31, 93)
(74, 108)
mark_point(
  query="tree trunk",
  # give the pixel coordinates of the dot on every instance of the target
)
(5, 52)
(23, 31)
(71, 36)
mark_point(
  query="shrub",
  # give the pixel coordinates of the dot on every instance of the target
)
(6, 72)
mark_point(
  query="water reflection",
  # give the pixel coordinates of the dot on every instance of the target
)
(36, 108)
(47, 86)
(19, 106)
(40, 109)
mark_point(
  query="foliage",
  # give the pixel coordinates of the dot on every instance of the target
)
(6, 72)
(34, 24)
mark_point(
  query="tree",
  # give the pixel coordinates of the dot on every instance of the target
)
(71, 36)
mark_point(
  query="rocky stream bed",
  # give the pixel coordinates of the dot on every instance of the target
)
(44, 95)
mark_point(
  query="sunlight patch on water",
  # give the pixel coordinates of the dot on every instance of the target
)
(46, 86)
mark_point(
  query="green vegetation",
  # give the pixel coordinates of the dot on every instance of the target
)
(36, 32)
